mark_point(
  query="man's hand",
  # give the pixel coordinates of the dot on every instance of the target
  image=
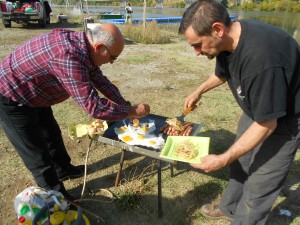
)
(252, 137)
(192, 99)
(139, 110)
(211, 163)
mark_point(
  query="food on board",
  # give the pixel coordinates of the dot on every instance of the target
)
(174, 122)
(140, 133)
(121, 130)
(127, 139)
(171, 130)
(140, 137)
(145, 128)
(186, 150)
(136, 122)
(92, 131)
(152, 142)
(96, 127)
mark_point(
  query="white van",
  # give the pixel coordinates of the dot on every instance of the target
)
(25, 11)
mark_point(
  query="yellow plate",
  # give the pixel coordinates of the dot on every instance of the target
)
(201, 145)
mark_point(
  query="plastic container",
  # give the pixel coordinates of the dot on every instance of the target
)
(3, 7)
(37, 6)
(33, 206)
(9, 6)
(28, 10)
(71, 217)
(18, 4)
(57, 218)
(29, 202)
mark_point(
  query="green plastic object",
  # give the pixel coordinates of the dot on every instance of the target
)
(28, 10)
(77, 131)
(110, 16)
(200, 144)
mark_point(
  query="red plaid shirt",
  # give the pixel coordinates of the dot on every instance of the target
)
(50, 68)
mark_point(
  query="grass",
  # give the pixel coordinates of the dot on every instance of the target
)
(128, 196)
(151, 34)
(140, 58)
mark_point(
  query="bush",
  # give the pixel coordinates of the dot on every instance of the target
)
(151, 34)
(263, 6)
(175, 4)
(248, 6)
(295, 7)
(271, 5)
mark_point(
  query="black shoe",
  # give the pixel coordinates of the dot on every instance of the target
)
(68, 196)
(71, 172)
(74, 207)
(61, 188)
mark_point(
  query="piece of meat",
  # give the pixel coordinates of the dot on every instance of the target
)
(171, 130)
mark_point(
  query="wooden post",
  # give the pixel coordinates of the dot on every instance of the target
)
(87, 7)
(144, 14)
(86, 21)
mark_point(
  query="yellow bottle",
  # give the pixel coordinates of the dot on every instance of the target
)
(27, 222)
(71, 216)
(57, 218)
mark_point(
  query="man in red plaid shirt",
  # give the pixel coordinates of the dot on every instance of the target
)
(47, 70)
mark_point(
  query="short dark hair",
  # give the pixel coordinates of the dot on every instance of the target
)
(202, 14)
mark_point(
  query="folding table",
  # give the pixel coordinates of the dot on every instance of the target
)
(111, 138)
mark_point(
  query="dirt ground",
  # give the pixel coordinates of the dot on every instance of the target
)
(161, 75)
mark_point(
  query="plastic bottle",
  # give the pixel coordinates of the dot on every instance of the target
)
(33, 205)
(70, 217)
(24, 221)
(57, 218)
(26, 214)
(37, 6)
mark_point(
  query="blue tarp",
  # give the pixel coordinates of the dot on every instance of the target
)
(162, 20)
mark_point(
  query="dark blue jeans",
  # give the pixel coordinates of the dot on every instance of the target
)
(36, 136)
(256, 178)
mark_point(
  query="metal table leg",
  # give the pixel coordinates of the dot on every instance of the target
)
(159, 191)
(120, 168)
(172, 170)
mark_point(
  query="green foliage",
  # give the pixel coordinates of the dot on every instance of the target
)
(128, 196)
(247, 6)
(175, 4)
(271, 5)
(296, 8)
(151, 34)
(128, 199)
(140, 3)
(264, 6)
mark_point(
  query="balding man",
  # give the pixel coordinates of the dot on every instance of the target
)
(47, 70)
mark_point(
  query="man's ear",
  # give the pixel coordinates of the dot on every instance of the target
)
(218, 29)
(97, 47)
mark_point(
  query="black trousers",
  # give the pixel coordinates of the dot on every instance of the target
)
(36, 136)
(256, 178)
